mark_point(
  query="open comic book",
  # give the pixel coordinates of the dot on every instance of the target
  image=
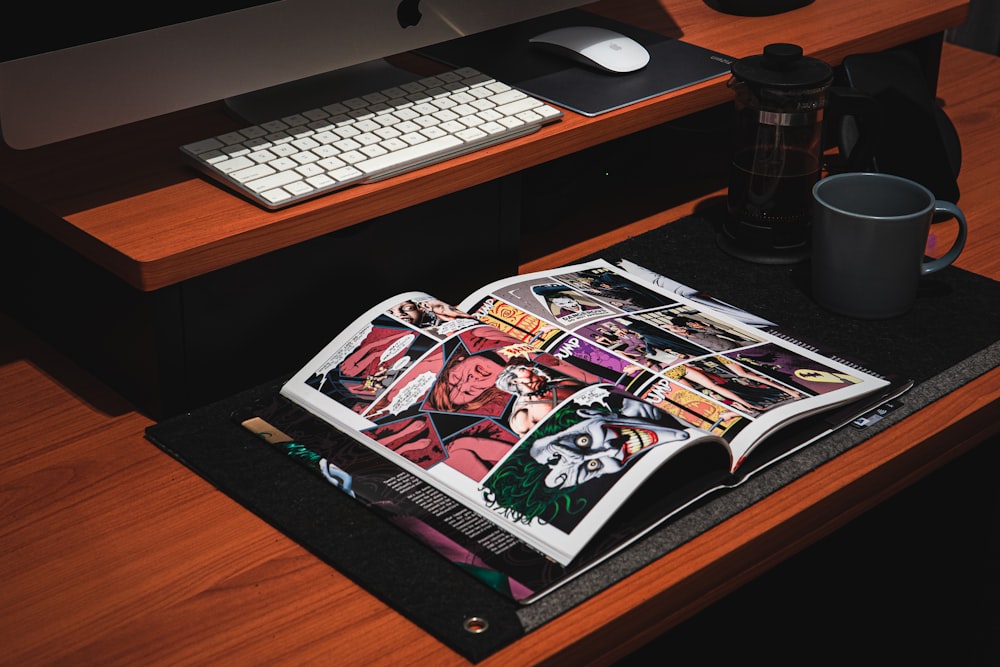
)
(526, 432)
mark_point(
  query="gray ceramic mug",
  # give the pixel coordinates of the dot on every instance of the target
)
(869, 234)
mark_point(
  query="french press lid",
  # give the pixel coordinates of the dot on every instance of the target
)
(782, 66)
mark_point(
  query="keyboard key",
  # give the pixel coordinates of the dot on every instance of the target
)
(410, 154)
(273, 181)
(234, 164)
(253, 173)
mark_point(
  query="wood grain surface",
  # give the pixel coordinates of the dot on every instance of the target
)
(113, 553)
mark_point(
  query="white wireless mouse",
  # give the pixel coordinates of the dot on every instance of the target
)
(600, 48)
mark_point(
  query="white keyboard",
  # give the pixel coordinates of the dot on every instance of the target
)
(368, 138)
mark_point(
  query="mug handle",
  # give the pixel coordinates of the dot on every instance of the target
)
(956, 247)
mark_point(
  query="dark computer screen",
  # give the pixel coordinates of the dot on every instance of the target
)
(86, 67)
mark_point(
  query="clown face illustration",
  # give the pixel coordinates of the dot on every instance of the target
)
(603, 443)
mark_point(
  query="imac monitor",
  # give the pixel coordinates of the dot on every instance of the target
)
(106, 68)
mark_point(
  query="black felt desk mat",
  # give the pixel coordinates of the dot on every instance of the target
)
(948, 338)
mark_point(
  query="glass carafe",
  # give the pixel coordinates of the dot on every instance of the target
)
(777, 153)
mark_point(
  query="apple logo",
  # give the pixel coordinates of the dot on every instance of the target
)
(408, 13)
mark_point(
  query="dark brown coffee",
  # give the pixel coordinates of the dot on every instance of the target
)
(770, 202)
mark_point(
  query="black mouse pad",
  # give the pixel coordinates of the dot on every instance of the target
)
(507, 55)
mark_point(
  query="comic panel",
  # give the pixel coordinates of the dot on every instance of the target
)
(515, 322)
(554, 302)
(695, 408)
(471, 450)
(639, 338)
(733, 384)
(793, 369)
(433, 316)
(615, 289)
(458, 377)
(699, 328)
(613, 368)
(561, 471)
(364, 368)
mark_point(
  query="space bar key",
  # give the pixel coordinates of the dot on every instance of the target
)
(412, 155)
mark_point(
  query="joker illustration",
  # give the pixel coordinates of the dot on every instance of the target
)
(551, 477)
(603, 443)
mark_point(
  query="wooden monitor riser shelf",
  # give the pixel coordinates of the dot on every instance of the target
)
(170, 282)
(126, 200)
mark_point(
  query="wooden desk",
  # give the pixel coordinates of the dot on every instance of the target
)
(114, 553)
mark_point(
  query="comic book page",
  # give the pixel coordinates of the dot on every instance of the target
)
(543, 401)
(491, 418)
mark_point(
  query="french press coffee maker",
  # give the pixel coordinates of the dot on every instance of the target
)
(777, 154)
